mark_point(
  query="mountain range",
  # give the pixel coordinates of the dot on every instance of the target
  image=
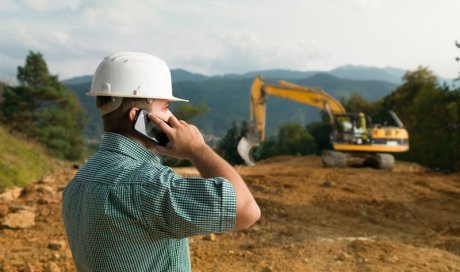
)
(227, 96)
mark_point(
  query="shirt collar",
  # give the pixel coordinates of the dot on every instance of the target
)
(121, 144)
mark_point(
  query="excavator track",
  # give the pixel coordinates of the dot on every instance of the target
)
(381, 161)
(334, 158)
(339, 159)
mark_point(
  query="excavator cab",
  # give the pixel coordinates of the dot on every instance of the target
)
(351, 128)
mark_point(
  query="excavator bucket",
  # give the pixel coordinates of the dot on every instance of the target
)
(245, 148)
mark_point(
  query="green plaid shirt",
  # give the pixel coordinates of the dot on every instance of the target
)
(125, 211)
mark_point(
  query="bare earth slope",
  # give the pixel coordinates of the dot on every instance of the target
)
(314, 219)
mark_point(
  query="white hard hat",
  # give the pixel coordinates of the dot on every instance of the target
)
(132, 74)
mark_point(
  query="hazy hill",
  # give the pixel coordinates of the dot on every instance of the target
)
(227, 97)
(354, 72)
(176, 75)
(77, 80)
(94, 126)
(341, 87)
(274, 73)
(393, 75)
(228, 100)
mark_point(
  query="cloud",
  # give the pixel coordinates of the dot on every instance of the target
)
(241, 51)
(8, 6)
(121, 14)
(48, 5)
(231, 36)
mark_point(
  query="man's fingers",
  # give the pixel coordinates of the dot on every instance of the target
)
(159, 123)
(173, 121)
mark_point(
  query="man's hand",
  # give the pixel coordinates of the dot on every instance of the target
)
(185, 140)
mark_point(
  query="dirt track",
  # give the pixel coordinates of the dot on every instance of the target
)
(314, 219)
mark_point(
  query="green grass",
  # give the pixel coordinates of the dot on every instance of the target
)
(21, 161)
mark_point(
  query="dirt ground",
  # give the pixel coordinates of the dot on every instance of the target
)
(313, 219)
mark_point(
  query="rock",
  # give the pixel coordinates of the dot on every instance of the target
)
(210, 237)
(56, 256)
(328, 184)
(3, 210)
(28, 190)
(20, 220)
(45, 189)
(394, 259)
(248, 246)
(268, 269)
(47, 179)
(343, 256)
(31, 267)
(408, 215)
(47, 200)
(52, 267)
(255, 228)
(10, 194)
(57, 245)
(17, 208)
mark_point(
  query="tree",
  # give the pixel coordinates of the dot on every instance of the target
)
(292, 139)
(43, 109)
(431, 115)
(320, 131)
(267, 149)
(187, 111)
(357, 103)
(227, 146)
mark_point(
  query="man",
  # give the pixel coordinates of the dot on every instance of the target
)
(124, 210)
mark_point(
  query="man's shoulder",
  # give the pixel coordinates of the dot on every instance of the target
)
(112, 166)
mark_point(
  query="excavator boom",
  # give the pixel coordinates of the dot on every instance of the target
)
(312, 96)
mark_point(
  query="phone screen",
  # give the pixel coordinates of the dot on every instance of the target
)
(145, 127)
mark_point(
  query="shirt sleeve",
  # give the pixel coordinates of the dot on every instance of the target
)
(177, 207)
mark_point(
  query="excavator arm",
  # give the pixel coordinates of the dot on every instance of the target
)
(311, 96)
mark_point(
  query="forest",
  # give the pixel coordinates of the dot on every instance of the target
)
(430, 112)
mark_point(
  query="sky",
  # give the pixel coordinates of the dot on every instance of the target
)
(220, 37)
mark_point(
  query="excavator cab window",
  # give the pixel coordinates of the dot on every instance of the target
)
(343, 128)
(351, 128)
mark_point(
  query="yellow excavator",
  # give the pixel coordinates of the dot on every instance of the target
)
(352, 134)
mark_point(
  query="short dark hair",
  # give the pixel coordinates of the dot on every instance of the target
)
(118, 120)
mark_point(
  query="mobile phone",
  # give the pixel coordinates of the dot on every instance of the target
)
(145, 127)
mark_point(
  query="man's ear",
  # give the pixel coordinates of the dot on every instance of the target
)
(132, 113)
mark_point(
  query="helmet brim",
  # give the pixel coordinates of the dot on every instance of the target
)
(170, 98)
